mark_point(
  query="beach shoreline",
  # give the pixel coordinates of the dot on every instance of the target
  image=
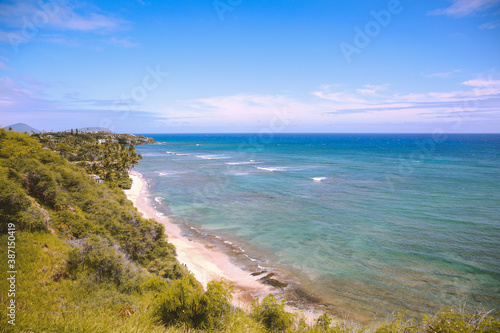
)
(206, 263)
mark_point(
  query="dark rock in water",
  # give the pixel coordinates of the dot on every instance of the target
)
(299, 294)
(272, 282)
(258, 273)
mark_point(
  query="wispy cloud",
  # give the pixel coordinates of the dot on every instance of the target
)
(58, 15)
(18, 97)
(26, 20)
(329, 105)
(371, 90)
(461, 8)
(442, 74)
(122, 42)
(490, 25)
(3, 64)
(483, 82)
(482, 98)
(58, 39)
(336, 104)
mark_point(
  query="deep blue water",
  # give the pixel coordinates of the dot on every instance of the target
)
(372, 223)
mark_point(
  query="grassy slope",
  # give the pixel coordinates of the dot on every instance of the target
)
(48, 302)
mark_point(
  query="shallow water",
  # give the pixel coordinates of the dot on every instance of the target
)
(370, 223)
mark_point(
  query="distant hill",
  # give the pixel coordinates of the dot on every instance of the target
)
(22, 127)
(94, 129)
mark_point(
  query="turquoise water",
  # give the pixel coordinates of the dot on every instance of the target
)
(367, 223)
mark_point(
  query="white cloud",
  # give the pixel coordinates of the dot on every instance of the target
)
(461, 8)
(58, 15)
(338, 96)
(482, 82)
(356, 105)
(332, 105)
(371, 90)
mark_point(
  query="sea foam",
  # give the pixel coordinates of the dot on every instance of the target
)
(211, 157)
(272, 168)
(318, 179)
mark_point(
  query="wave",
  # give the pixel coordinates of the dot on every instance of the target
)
(241, 163)
(252, 259)
(318, 179)
(211, 157)
(272, 168)
(168, 173)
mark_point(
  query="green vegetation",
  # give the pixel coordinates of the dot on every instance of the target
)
(272, 314)
(184, 303)
(87, 261)
(106, 155)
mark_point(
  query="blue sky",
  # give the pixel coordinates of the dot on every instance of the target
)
(197, 66)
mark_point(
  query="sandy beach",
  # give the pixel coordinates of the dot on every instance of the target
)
(205, 263)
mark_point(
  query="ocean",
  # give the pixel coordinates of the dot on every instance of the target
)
(361, 224)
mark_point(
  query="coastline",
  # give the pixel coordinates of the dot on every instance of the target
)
(206, 263)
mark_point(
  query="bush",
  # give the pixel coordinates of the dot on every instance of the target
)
(104, 263)
(450, 321)
(323, 322)
(184, 302)
(16, 206)
(272, 314)
(398, 324)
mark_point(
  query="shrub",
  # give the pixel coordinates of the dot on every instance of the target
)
(450, 321)
(184, 302)
(323, 322)
(155, 283)
(398, 324)
(103, 262)
(272, 314)
(216, 303)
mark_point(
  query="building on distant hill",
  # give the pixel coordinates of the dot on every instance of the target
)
(93, 130)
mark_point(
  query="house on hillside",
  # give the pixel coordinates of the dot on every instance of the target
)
(97, 179)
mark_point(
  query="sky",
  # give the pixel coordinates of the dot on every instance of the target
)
(243, 66)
